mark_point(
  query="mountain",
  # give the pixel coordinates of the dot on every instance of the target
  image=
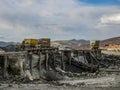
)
(114, 40)
(4, 44)
(7, 46)
(70, 43)
(84, 43)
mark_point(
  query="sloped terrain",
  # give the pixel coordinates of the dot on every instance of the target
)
(115, 40)
(70, 43)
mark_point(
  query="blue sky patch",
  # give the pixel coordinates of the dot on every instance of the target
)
(102, 2)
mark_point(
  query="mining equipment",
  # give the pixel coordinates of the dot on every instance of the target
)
(33, 43)
(44, 42)
(30, 42)
(94, 44)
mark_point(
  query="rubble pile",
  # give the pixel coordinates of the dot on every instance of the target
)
(110, 61)
(78, 73)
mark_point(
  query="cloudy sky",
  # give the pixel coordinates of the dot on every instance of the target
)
(59, 19)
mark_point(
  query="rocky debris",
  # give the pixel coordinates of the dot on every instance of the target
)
(53, 76)
(56, 76)
(103, 82)
(109, 61)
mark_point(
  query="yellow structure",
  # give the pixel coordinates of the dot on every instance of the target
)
(45, 42)
(94, 44)
(31, 42)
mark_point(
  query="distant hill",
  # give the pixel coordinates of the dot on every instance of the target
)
(7, 46)
(115, 40)
(70, 43)
(4, 44)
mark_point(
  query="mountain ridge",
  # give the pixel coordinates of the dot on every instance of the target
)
(72, 42)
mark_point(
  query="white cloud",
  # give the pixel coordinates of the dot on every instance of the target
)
(57, 19)
(111, 19)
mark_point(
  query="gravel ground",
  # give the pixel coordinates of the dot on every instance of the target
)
(51, 87)
(108, 81)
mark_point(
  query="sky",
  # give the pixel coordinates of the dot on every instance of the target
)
(59, 19)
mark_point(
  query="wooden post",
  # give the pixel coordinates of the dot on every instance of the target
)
(46, 60)
(26, 63)
(92, 63)
(53, 59)
(39, 63)
(70, 57)
(26, 57)
(62, 61)
(30, 60)
(5, 66)
(78, 54)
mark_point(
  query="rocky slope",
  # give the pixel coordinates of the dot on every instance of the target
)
(70, 43)
(114, 40)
